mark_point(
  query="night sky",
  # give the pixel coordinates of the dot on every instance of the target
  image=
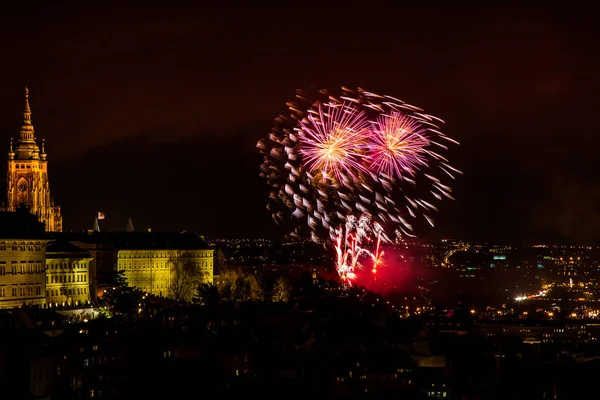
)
(153, 112)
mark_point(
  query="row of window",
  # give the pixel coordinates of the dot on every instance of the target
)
(20, 291)
(28, 166)
(155, 285)
(20, 269)
(66, 278)
(364, 376)
(164, 255)
(437, 395)
(21, 248)
(145, 281)
(94, 360)
(66, 291)
(134, 266)
(69, 265)
(143, 266)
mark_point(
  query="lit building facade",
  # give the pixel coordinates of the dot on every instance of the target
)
(104, 258)
(27, 176)
(67, 274)
(163, 264)
(22, 259)
(173, 273)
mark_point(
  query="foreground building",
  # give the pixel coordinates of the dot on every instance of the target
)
(27, 176)
(35, 270)
(22, 259)
(67, 274)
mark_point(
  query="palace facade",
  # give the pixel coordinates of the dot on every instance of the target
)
(163, 264)
(167, 272)
(67, 274)
(22, 259)
(37, 269)
(27, 176)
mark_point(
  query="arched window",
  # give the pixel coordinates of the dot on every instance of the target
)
(22, 191)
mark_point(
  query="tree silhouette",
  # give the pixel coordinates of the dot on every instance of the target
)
(281, 291)
(208, 294)
(118, 297)
(266, 285)
(272, 288)
(236, 285)
(185, 275)
(112, 278)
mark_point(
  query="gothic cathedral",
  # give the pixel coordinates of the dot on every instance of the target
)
(27, 176)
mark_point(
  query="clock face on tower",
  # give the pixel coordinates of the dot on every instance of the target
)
(22, 187)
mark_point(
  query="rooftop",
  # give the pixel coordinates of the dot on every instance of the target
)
(64, 247)
(21, 224)
(141, 240)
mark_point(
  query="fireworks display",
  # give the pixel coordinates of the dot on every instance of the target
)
(352, 245)
(345, 169)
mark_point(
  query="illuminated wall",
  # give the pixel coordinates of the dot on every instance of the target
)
(67, 275)
(22, 265)
(166, 272)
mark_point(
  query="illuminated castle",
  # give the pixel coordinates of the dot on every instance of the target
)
(27, 177)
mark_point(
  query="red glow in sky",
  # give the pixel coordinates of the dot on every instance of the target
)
(153, 112)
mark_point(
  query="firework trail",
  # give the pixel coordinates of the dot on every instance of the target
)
(397, 145)
(344, 169)
(331, 141)
(351, 247)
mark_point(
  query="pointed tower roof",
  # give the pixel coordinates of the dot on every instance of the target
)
(96, 225)
(26, 147)
(11, 153)
(43, 152)
(129, 227)
(27, 130)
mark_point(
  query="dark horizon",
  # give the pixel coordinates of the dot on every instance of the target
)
(154, 112)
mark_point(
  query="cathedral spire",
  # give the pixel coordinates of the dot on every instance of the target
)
(27, 128)
(11, 152)
(43, 152)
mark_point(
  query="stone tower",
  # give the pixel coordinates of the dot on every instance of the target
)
(27, 176)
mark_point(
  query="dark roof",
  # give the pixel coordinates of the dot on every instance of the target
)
(21, 224)
(63, 247)
(141, 240)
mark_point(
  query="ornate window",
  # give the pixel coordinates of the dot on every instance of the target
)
(22, 191)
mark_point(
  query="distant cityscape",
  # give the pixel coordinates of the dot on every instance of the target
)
(456, 320)
(136, 314)
(556, 281)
